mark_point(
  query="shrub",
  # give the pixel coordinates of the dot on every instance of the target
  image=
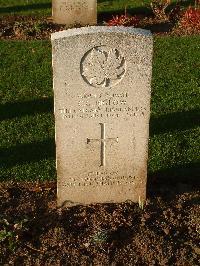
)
(159, 7)
(124, 20)
(190, 20)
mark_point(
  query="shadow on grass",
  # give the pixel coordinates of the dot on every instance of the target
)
(165, 183)
(174, 121)
(160, 182)
(175, 180)
(106, 15)
(158, 125)
(27, 153)
(15, 9)
(19, 109)
(183, 3)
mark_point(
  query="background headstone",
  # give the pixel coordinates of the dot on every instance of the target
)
(102, 88)
(74, 12)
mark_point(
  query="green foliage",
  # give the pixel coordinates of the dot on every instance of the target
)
(5, 234)
(9, 237)
(10, 233)
(100, 237)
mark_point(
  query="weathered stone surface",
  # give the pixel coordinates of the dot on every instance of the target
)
(102, 87)
(74, 12)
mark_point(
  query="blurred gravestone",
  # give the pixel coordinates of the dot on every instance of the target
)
(74, 12)
(102, 88)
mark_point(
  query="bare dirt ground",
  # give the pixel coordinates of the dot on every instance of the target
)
(34, 232)
(31, 28)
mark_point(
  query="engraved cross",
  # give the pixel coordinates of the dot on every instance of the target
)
(103, 140)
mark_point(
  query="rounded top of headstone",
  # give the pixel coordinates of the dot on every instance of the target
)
(100, 29)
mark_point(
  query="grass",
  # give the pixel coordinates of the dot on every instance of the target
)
(175, 131)
(25, 7)
(27, 147)
(43, 7)
(27, 130)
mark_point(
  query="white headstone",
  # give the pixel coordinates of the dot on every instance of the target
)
(74, 12)
(102, 88)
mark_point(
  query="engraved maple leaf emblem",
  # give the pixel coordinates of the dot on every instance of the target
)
(103, 67)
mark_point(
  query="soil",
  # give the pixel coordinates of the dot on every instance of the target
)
(34, 232)
(27, 28)
(31, 28)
